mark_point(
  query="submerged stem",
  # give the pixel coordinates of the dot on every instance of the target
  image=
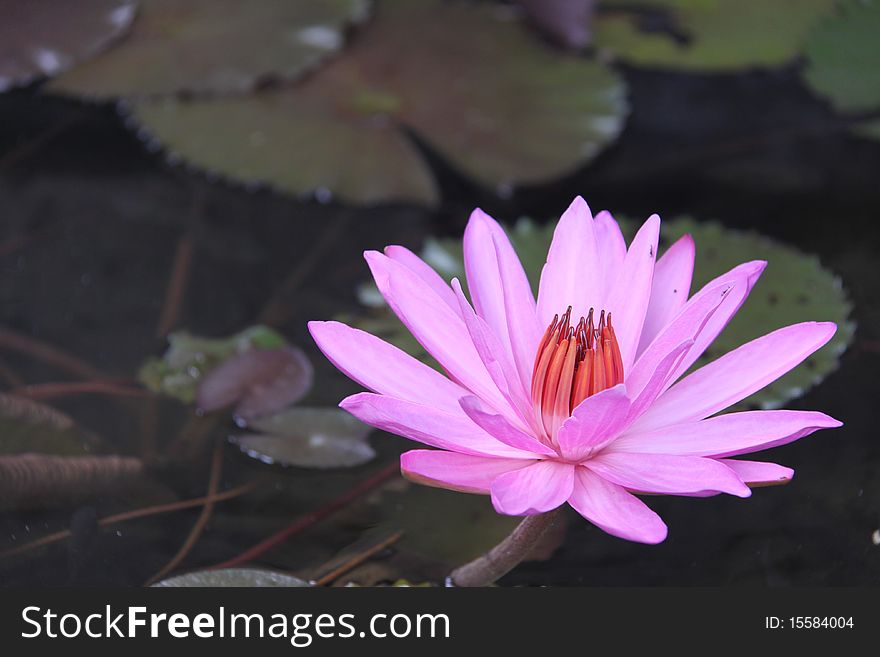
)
(505, 556)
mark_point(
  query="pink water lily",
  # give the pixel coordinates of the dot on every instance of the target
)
(579, 397)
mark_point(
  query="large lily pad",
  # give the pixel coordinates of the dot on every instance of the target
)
(843, 58)
(233, 578)
(215, 46)
(308, 438)
(711, 35)
(794, 288)
(45, 37)
(189, 358)
(441, 528)
(497, 103)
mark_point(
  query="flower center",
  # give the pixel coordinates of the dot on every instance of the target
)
(573, 363)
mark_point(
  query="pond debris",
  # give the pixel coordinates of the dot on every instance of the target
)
(39, 480)
(258, 382)
(308, 438)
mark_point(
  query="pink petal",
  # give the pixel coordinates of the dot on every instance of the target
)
(746, 273)
(736, 375)
(502, 430)
(628, 302)
(573, 273)
(496, 359)
(596, 420)
(461, 472)
(611, 508)
(540, 487)
(758, 473)
(424, 271)
(611, 244)
(384, 368)
(519, 304)
(670, 289)
(428, 425)
(657, 382)
(667, 474)
(727, 435)
(437, 328)
(687, 325)
(500, 290)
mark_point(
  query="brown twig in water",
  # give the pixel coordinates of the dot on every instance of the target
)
(22, 151)
(66, 388)
(275, 311)
(170, 507)
(309, 519)
(357, 560)
(181, 268)
(42, 351)
(176, 289)
(202, 521)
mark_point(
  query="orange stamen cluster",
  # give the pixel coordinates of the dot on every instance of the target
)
(573, 363)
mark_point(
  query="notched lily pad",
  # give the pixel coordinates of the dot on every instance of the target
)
(233, 578)
(794, 288)
(44, 37)
(843, 59)
(474, 84)
(215, 46)
(258, 382)
(442, 529)
(189, 358)
(304, 437)
(711, 35)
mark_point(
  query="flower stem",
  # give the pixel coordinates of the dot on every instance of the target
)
(505, 556)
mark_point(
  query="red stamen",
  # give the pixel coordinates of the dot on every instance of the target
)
(571, 364)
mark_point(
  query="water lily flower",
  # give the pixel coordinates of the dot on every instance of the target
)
(580, 396)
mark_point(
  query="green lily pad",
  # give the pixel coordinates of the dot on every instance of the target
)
(473, 84)
(45, 37)
(215, 46)
(233, 578)
(869, 129)
(27, 426)
(189, 358)
(707, 35)
(794, 288)
(308, 438)
(443, 528)
(843, 59)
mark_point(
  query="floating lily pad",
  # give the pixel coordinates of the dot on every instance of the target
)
(45, 37)
(233, 578)
(711, 35)
(794, 288)
(308, 438)
(258, 382)
(443, 528)
(215, 46)
(190, 357)
(500, 105)
(27, 426)
(843, 58)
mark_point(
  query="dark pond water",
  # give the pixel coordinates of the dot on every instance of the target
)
(90, 226)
